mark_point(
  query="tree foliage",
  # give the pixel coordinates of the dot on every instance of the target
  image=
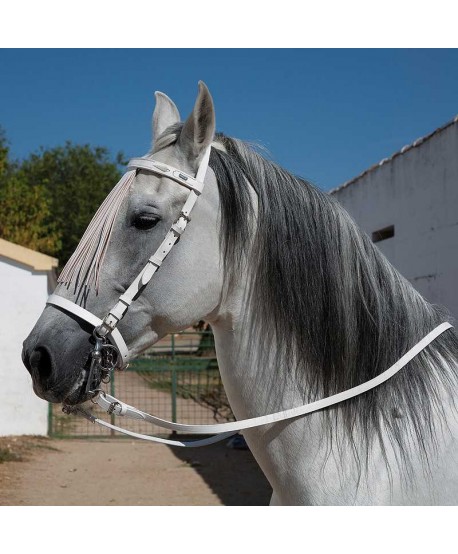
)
(47, 200)
(4, 151)
(25, 211)
(25, 217)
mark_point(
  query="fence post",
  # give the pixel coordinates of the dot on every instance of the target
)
(174, 383)
(112, 392)
(50, 420)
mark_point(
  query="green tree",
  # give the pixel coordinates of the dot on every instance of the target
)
(76, 179)
(4, 152)
(25, 211)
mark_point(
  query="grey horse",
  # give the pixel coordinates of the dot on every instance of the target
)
(302, 306)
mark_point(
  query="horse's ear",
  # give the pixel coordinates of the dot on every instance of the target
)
(199, 129)
(165, 114)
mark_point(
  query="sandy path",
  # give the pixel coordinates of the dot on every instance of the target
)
(122, 472)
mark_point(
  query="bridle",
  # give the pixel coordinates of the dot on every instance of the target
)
(110, 351)
(105, 331)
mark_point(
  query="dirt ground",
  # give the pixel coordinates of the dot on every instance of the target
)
(38, 471)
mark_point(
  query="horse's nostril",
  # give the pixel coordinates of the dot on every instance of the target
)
(40, 362)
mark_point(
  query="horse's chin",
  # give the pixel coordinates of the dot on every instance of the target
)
(77, 397)
(79, 392)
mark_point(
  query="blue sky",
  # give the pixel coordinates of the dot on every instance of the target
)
(326, 115)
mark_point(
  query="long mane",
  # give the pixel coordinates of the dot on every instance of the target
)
(337, 312)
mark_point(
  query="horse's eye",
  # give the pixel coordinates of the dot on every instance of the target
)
(145, 221)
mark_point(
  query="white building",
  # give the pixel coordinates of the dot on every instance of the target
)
(408, 204)
(26, 278)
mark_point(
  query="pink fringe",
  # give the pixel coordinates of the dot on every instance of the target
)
(85, 263)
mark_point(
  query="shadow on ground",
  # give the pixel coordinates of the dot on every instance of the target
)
(233, 475)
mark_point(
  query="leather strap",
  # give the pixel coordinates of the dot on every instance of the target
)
(165, 170)
(189, 444)
(115, 406)
(114, 337)
(177, 229)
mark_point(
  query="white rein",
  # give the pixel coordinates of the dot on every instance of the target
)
(223, 430)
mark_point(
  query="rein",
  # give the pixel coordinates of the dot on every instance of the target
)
(224, 430)
(111, 352)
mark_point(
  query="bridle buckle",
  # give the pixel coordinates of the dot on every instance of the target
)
(112, 407)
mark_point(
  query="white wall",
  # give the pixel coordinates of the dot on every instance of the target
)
(22, 299)
(417, 192)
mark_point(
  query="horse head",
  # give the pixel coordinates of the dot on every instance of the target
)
(186, 289)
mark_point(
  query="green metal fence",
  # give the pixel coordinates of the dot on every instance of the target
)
(177, 379)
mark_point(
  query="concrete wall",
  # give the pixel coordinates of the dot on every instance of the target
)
(22, 299)
(417, 192)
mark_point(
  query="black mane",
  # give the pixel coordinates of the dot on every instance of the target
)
(336, 310)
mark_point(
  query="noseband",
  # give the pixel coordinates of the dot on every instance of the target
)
(111, 352)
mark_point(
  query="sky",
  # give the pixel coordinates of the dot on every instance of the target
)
(323, 114)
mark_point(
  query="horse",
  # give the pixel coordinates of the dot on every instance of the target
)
(302, 305)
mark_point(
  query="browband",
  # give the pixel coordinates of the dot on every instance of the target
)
(167, 171)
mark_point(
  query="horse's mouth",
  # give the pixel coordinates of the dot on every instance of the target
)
(82, 390)
(97, 369)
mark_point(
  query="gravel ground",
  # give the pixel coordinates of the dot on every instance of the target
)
(38, 471)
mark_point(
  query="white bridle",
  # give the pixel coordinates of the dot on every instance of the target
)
(106, 330)
(107, 326)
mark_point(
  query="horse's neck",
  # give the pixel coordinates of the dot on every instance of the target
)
(254, 391)
(295, 455)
